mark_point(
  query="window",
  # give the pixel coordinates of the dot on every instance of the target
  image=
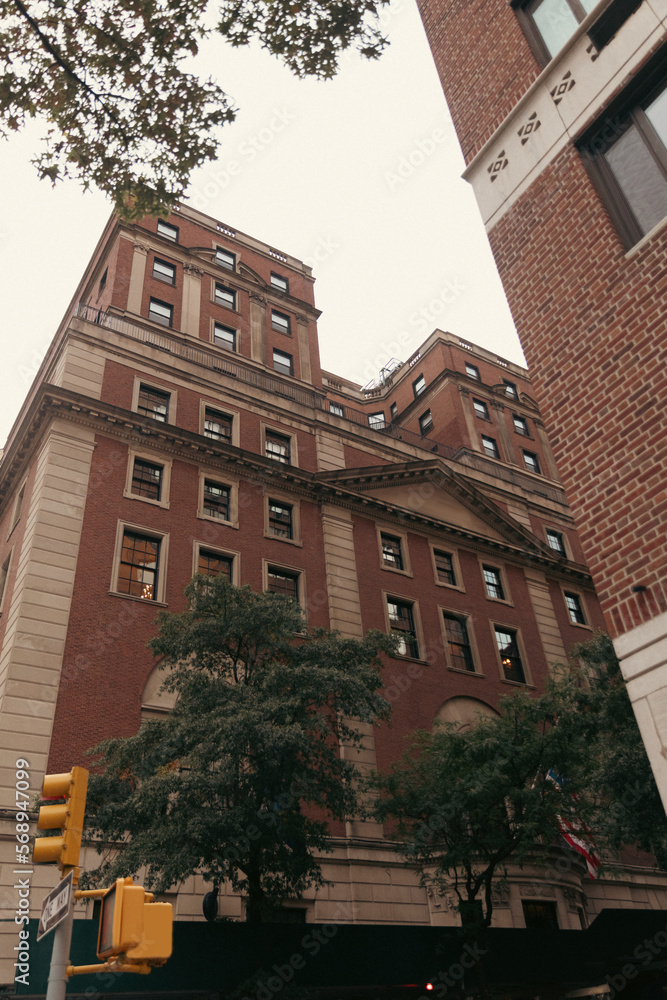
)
(444, 567)
(279, 283)
(629, 162)
(555, 541)
(277, 447)
(510, 658)
(213, 564)
(532, 462)
(282, 362)
(282, 581)
(392, 556)
(216, 500)
(376, 421)
(103, 282)
(224, 336)
(458, 643)
(280, 322)
(4, 573)
(574, 609)
(217, 426)
(225, 258)
(493, 583)
(161, 312)
(225, 296)
(472, 371)
(169, 232)
(481, 409)
(425, 423)
(549, 23)
(510, 389)
(520, 425)
(490, 447)
(147, 479)
(139, 566)
(153, 403)
(18, 504)
(336, 409)
(539, 915)
(393, 410)
(402, 625)
(280, 519)
(164, 271)
(419, 385)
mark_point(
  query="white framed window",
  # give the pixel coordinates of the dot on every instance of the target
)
(140, 563)
(148, 478)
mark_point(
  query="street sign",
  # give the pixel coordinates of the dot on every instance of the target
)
(56, 906)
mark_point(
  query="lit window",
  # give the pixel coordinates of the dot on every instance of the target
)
(402, 625)
(217, 426)
(510, 657)
(532, 462)
(225, 258)
(280, 519)
(419, 385)
(277, 447)
(336, 409)
(493, 583)
(444, 567)
(169, 232)
(458, 643)
(282, 362)
(391, 552)
(213, 564)
(575, 609)
(490, 447)
(481, 409)
(510, 389)
(425, 423)
(225, 296)
(472, 371)
(153, 403)
(520, 425)
(281, 581)
(555, 541)
(376, 421)
(147, 479)
(550, 23)
(279, 283)
(280, 322)
(139, 563)
(216, 500)
(164, 271)
(224, 336)
(161, 312)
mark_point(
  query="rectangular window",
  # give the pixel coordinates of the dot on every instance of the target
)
(4, 573)
(225, 296)
(103, 282)
(444, 567)
(393, 410)
(217, 426)
(279, 283)
(550, 23)
(425, 423)
(282, 362)
(490, 447)
(376, 421)
(216, 500)
(538, 915)
(336, 409)
(555, 541)
(212, 564)
(139, 565)
(520, 425)
(161, 312)
(280, 519)
(164, 271)
(18, 505)
(281, 581)
(225, 258)
(510, 389)
(280, 322)
(493, 583)
(168, 231)
(153, 403)
(392, 555)
(458, 643)
(532, 462)
(472, 371)
(510, 657)
(481, 409)
(224, 336)
(418, 386)
(575, 609)
(277, 447)
(147, 479)
(402, 625)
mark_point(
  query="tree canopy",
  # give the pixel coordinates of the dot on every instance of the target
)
(116, 83)
(240, 781)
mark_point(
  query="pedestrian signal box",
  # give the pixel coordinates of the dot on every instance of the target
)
(133, 926)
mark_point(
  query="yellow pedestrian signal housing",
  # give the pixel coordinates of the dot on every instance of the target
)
(133, 926)
(68, 816)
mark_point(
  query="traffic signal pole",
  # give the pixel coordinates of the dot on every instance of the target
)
(62, 941)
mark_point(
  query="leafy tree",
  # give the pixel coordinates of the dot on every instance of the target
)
(109, 78)
(239, 781)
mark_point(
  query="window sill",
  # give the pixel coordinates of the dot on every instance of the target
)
(409, 659)
(450, 586)
(216, 520)
(154, 503)
(645, 239)
(278, 538)
(393, 569)
(500, 600)
(466, 673)
(140, 600)
(583, 625)
(518, 684)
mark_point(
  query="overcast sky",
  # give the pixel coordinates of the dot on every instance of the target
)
(359, 177)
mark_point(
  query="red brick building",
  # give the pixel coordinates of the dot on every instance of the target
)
(561, 110)
(181, 421)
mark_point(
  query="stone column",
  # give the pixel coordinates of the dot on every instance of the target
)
(258, 327)
(546, 450)
(191, 299)
(304, 348)
(137, 276)
(507, 451)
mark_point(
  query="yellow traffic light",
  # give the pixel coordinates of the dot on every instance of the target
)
(133, 926)
(68, 816)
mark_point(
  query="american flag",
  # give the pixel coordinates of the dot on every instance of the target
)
(575, 832)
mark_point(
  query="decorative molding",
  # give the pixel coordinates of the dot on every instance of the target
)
(529, 128)
(256, 297)
(498, 164)
(142, 248)
(193, 269)
(566, 84)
